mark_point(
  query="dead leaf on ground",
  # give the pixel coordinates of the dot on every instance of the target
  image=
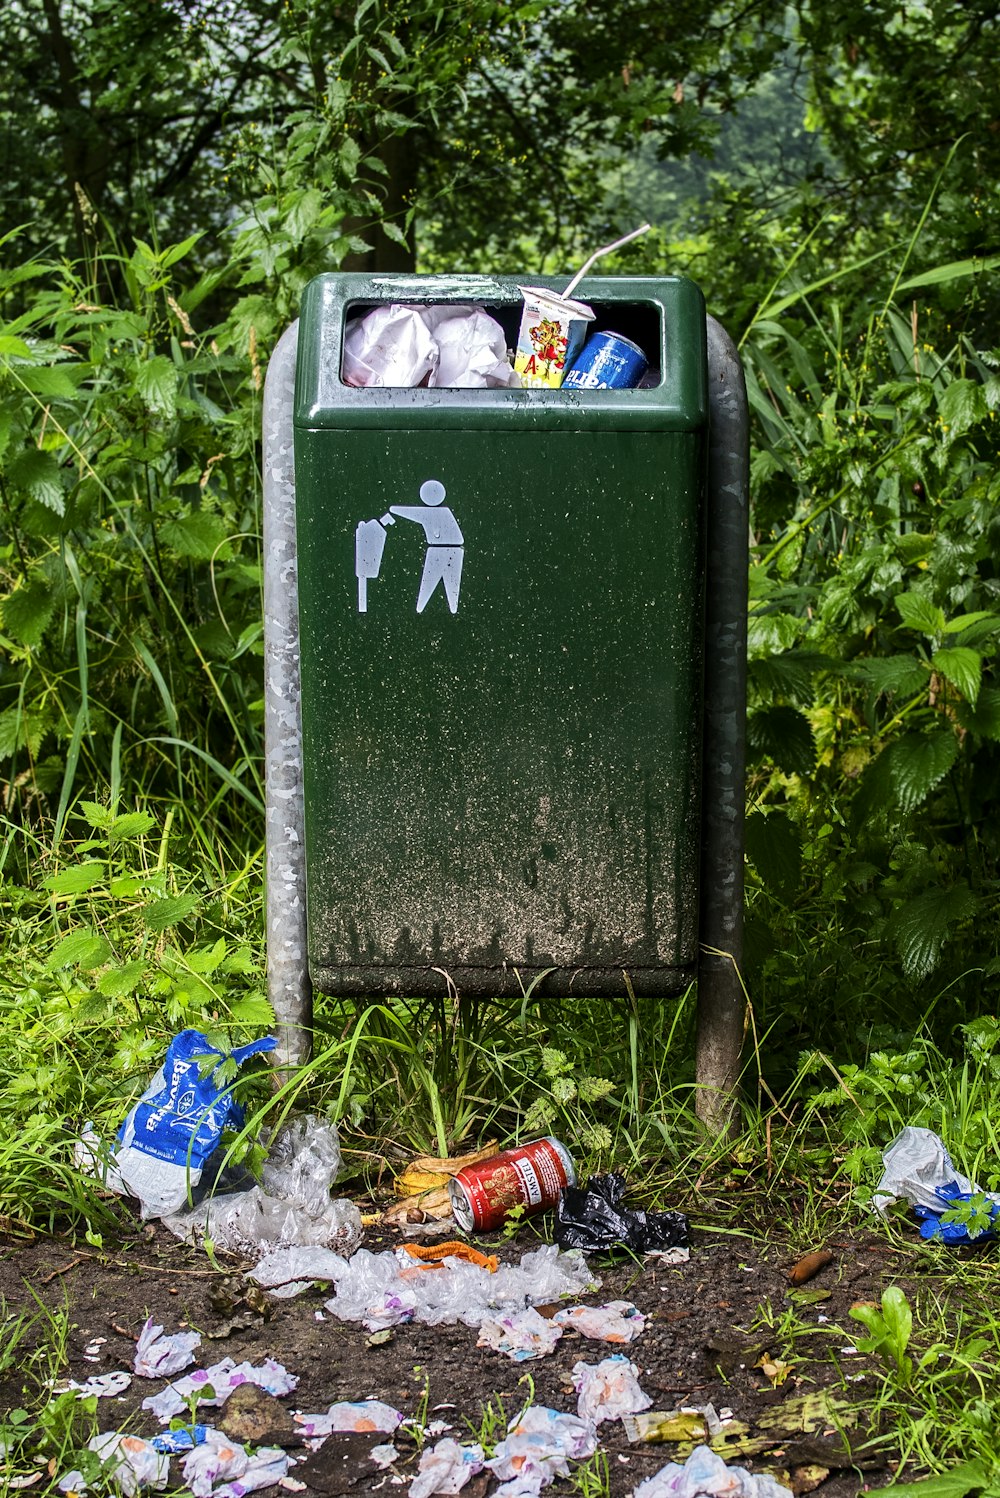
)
(804, 1479)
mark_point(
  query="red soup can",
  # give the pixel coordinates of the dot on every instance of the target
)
(530, 1176)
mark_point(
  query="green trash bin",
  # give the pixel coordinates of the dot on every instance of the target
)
(500, 613)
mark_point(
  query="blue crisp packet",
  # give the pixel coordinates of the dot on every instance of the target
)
(184, 1439)
(931, 1225)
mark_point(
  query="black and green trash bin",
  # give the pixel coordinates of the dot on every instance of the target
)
(505, 646)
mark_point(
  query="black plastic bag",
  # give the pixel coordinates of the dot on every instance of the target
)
(594, 1219)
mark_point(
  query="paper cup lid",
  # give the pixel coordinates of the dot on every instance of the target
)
(560, 304)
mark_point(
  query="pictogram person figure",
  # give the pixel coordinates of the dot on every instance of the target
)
(445, 543)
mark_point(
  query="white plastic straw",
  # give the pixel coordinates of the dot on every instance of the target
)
(606, 250)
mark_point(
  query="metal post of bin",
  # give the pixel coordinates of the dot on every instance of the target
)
(720, 1003)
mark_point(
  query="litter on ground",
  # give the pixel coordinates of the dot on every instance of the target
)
(618, 1321)
(521, 1335)
(360, 1416)
(215, 1384)
(446, 1468)
(157, 1356)
(608, 1390)
(706, 1475)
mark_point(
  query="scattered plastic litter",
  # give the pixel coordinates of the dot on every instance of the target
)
(692, 1422)
(133, 1462)
(521, 1335)
(220, 1468)
(706, 1475)
(447, 345)
(383, 1456)
(918, 1168)
(221, 1378)
(594, 1219)
(290, 1271)
(103, 1385)
(618, 1321)
(157, 1356)
(359, 1416)
(292, 1207)
(170, 1133)
(185, 1439)
(446, 1468)
(608, 1390)
(388, 1289)
(538, 1448)
(434, 1253)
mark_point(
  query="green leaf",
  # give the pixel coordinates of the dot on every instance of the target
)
(984, 718)
(162, 914)
(130, 825)
(26, 612)
(890, 675)
(920, 928)
(77, 879)
(50, 381)
(774, 847)
(39, 474)
(963, 668)
(201, 534)
(955, 270)
(962, 406)
(784, 735)
(917, 762)
(254, 1010)
(13, 347)
(350, 156)
(83, 949)
(918, 613)
(96, 815)
(394, 232)
(967, 1478)
(119, 982)
(156, 382)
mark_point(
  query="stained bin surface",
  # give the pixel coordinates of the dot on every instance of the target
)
(501, 683)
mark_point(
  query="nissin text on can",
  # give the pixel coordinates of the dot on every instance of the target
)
(608, 361)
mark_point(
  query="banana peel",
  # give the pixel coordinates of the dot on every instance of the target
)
(423, 1186)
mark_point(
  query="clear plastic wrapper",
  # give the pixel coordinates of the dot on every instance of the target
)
(618, 1321)
(914, 1166)
(159, 1356)
(131, 1462)
(446, 1468)
(303, 1161)
(608, 1390)
(387, 1289)
(706, 1475)
(289, 1271)
(221, 1378)
(521, 1335)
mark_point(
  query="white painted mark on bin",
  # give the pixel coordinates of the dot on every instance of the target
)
(445, 547)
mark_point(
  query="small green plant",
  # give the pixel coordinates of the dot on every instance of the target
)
(890, 1329)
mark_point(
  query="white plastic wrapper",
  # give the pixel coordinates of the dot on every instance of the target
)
(459, 346)
(618, 1321)
(221, 1468)
(914, 1165)
(446, 1468)
(388, 1289)
(383, 1456)
(157, 1356)
(538, 1448)
(608, 1390)
(222, 1377)
(521, 1335)
(705, 1475)
(104, 1385)
(292, 1207)
(361, 1416)
(131, 1462)
(289, 1271)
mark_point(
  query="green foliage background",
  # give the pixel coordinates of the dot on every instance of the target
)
(176, 172)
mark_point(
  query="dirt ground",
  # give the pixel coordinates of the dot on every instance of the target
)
(705, 1335)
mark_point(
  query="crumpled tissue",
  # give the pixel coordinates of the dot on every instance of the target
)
(222, 1377)
(618, 1321)
(521, 1335)
(360, 1416)
(221, 1468)
(133, 1462)
(706, 1475)
(446, 1468)
(538, 1447)
(608, 1390)
(157, 1356)
(454, 345)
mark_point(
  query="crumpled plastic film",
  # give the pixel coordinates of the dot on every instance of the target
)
(131, 1462)
(157, 1356)
(289, 1271)
(222, 1377)
(618, 1321)
(103, 1385)
(608, 1390)
(538, 1447)
(289, 1209)
(521, 1335)
(446, 1468)
(917, 1167)
(595, 1219)
(387, 1289)
(360, 1416)
(706, 1475)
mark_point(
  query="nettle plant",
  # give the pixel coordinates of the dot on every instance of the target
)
(568, 1102)
(874, 695)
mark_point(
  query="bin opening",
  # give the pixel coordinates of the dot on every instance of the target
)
(637, 321)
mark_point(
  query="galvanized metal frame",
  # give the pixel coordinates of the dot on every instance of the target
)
(721, 1001)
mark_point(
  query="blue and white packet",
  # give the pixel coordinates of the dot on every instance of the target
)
(951, 1195)
(176, 1126)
